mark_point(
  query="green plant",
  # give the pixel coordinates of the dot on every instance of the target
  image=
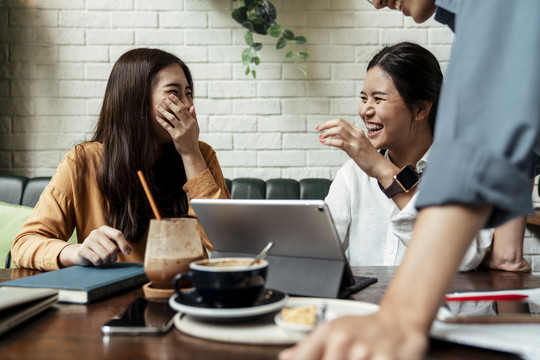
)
(259, 17)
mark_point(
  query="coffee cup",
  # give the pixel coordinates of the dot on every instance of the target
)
(225, 282)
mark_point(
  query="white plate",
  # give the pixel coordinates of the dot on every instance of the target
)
(271, 300)
(262, 330)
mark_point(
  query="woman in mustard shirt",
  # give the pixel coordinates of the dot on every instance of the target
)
(147, 122)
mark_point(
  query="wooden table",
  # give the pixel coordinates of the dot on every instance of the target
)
(73, 331)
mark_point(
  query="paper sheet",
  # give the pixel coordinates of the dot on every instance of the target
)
(522, 339)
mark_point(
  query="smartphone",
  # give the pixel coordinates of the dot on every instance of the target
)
(490, 311)
(142, 317)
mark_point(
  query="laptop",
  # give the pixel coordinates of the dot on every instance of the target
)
(307, 257)
(18, 305)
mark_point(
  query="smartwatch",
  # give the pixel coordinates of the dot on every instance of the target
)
(404, 180)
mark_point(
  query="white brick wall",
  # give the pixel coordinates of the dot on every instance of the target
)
(56, 56)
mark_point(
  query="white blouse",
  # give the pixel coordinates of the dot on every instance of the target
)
(372, 228)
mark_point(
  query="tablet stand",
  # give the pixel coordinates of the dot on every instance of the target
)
(301, 276)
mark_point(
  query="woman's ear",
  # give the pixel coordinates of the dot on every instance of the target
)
(422, 110)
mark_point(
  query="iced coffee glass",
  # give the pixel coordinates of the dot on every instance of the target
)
(171, 246)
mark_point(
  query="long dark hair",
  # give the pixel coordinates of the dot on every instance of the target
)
(124, 129)
(416, 74)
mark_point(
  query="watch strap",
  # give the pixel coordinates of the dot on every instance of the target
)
(396, 187)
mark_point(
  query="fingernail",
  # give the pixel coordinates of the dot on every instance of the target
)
(158, 107)
(172, 96)
(317, 128)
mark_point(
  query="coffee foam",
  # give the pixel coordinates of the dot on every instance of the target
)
(228, 264)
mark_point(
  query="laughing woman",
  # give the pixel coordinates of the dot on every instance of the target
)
(147, 122)
(398, 108)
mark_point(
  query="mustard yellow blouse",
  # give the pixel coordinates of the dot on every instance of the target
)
(62, 208)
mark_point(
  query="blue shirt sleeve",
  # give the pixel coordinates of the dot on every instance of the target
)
(487, 138)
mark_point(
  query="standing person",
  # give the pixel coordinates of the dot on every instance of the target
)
(398, 107)
(147, 122)
(485, 151)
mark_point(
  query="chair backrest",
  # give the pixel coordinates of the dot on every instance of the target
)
(282, 189)
(20, 190)
(12, 188)
(33, 189)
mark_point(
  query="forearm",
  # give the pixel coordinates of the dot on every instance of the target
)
(68, 256)
(508, 240)
(507, 247)
(33, 251)
(194, 163)
(440, 238)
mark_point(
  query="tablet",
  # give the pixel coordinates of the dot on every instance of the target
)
(307, 257)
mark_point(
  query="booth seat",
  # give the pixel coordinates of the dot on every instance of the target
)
(19, 194)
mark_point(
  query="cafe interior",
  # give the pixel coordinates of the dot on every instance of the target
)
(272, 266)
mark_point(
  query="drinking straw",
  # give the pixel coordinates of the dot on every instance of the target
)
(148, 194)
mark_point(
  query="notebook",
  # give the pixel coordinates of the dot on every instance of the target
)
(18, 305)
(83, 284)
(307, 257)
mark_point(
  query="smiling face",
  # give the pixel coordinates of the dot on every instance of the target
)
(387, 118)
(169, 80)
(419, 10)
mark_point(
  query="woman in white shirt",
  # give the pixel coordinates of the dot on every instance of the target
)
(373, 214)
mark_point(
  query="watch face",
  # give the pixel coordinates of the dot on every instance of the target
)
(407, 177)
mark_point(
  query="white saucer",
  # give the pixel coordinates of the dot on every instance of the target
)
(269, 301)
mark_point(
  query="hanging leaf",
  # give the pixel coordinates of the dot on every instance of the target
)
(275, 30)
(282, 42)
(247, 55)
(260, 28)
(300, 40)
(248, 25)
(267, 12)
(249, 38)
(259, 17)
(240, 14)
(303, 55)
(251, 3)
(288, 34)
(254, 18)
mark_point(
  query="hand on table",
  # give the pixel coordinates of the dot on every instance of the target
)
(506, 251)
(377, 336)
(517, 265)
(100, 247)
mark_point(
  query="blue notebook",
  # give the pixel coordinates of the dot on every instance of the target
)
(83, 284)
